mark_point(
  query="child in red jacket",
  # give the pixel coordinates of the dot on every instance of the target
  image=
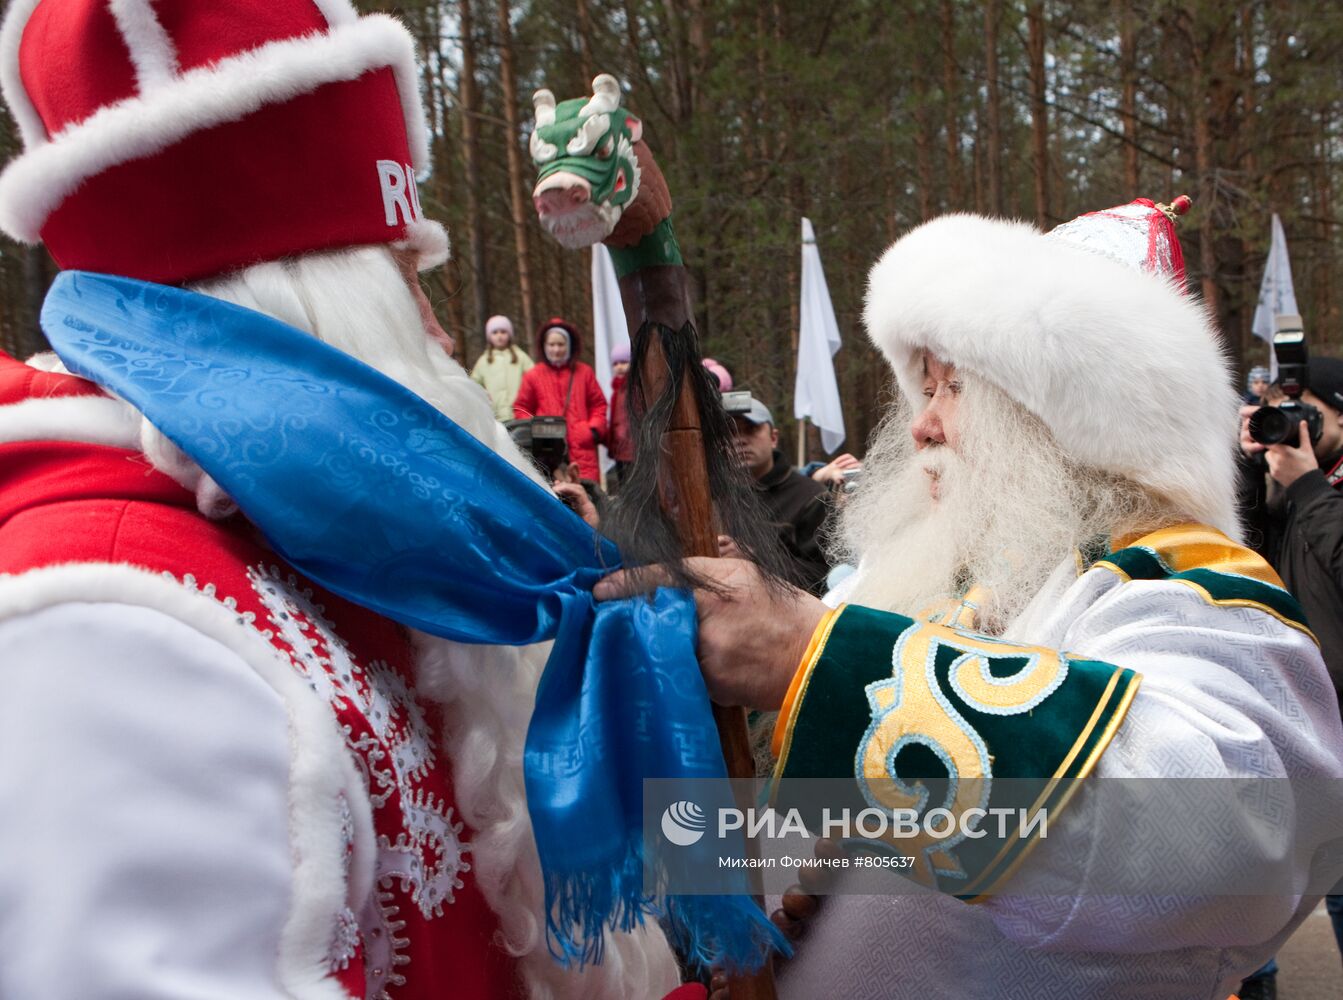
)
(563, 386)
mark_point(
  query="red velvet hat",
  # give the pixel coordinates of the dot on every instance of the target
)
(173, 140)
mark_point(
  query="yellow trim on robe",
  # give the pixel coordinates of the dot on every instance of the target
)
(1188, 546)
(782, 740)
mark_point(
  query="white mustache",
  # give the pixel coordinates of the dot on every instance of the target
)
(936, 461)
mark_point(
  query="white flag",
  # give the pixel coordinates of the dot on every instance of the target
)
(608, 315)
(1277, 297)
(608, 323)
(815, 393)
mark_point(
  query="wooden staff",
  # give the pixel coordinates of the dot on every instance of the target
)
(659, 294)
(654, 289)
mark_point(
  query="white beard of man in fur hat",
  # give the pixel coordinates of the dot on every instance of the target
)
(970, 489)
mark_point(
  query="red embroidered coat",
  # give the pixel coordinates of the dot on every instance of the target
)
(423, 929)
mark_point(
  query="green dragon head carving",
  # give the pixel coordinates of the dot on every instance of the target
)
(587, 170)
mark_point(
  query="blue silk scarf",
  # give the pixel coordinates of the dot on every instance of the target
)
(382, 499)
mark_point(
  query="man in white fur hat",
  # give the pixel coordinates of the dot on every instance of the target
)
(216, 779)
(1050, 585)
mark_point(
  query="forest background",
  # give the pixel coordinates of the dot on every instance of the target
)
(868, 116)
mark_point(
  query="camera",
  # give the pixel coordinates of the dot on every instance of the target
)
(544, 438)
(847, 481)
(1277, 424)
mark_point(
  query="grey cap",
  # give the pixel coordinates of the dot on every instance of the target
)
(757, 414)
(740, 403)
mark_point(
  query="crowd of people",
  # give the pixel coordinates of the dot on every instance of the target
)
(799, 503)
(306, 667)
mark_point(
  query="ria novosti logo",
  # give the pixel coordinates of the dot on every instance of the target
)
(684, 823)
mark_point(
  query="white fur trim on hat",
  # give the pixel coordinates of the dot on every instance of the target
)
(151, 49)
(35, 184)
(337, 11)
(1126, 372)
(429, 239)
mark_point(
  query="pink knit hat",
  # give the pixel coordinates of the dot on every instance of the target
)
(719, 372)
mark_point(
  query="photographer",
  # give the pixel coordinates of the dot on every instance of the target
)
(543, 440)
(1294, 518)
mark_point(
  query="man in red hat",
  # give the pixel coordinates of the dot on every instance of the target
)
(219, 780)
(1051, 608)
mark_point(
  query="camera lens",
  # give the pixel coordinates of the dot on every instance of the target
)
(1268, 425)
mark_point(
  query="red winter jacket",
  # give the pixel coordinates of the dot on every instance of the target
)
(621, 444)
(543, 392)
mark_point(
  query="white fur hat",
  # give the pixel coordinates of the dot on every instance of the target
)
(1124, 369)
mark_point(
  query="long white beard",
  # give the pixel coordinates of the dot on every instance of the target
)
(1011, 507)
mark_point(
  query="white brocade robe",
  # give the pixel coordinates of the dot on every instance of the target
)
(1229, 689)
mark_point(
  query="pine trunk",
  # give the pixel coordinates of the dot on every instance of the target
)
(993, 110)
(955, 176)
(923, 142)
(890, 190)
(1128, 100)
(517, 187)
(1207, 192)
(468, 100)
(585, 63)
(1035, 17)
(1326, 306)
